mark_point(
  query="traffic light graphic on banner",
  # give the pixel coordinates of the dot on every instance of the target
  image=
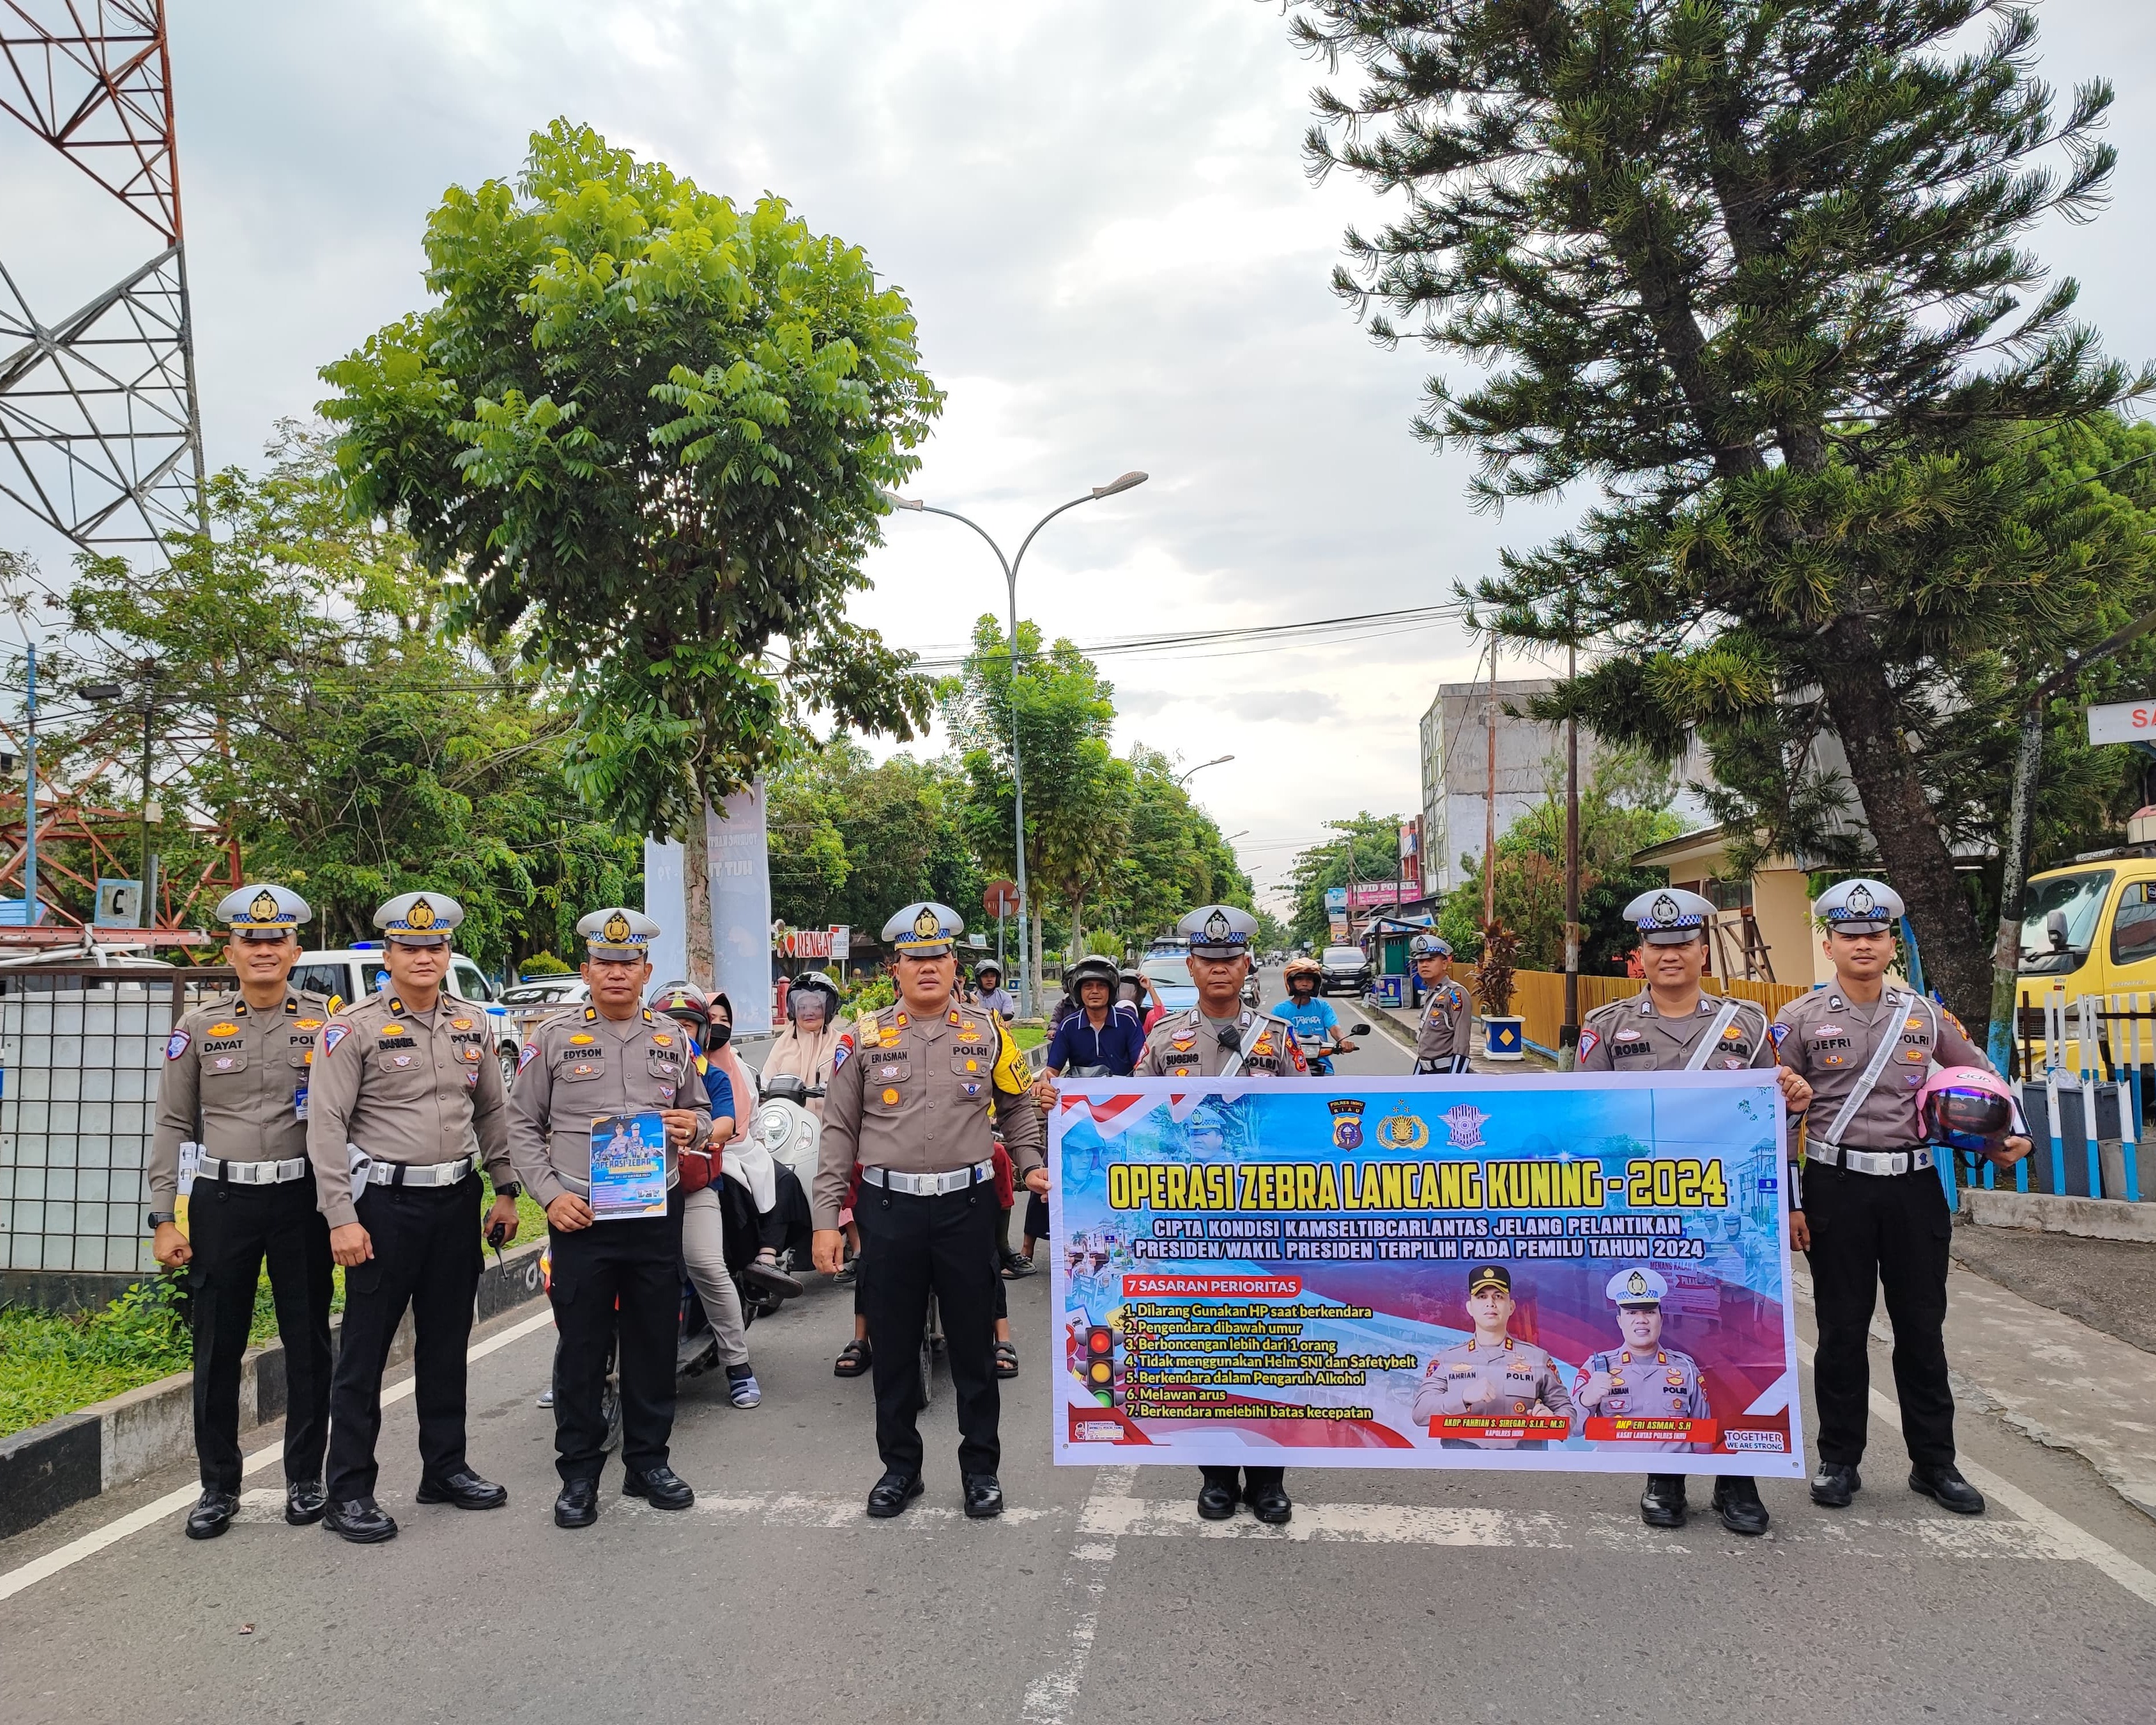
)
(1100, 1366)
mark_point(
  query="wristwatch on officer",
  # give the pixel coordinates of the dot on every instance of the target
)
(509, 1188)
(159, 1218)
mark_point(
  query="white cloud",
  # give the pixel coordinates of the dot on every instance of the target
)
(1099, 210)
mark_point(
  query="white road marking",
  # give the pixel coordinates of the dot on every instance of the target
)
(149, 1514)
(788, 1509)
(2071, 1537)
(1050, 1696)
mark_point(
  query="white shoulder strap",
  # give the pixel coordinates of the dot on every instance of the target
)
(1873, 1074)
(1712, 1040)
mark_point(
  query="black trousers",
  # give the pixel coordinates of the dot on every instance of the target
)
(1870, 1230)
(1251, 1477)
(616, 1279)
(233, 1230)
(913, 1246)
(426, 1256)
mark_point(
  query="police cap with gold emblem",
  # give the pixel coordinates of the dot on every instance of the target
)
(925, 930)
(1488, 1276)
(1859, 906)
(1219, 932)
(1636, 1286)
(617, 934)
(1670, 916)
(262, 912)
(419, 919)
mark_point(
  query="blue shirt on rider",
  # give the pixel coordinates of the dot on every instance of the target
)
(717, 1084)
(1117, 1045)
(1314, 1022)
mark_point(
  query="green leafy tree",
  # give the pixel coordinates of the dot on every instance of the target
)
(852, 841)
(1367, 850)
(303, 696)
(1078, 795)
(1755, 268)
(1172, 859)
(1624, 808)
(649, 431)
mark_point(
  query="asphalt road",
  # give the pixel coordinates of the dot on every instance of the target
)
(1101, 1597)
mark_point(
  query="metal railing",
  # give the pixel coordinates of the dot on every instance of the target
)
(2086, 1065)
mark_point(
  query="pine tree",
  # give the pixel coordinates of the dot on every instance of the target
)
(1754, 269)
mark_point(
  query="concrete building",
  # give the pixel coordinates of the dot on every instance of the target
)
(1455, 755)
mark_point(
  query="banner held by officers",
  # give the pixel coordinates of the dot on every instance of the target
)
(1554, 1272)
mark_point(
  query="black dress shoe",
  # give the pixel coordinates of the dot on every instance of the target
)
(361, 1521)
(579, 1504)
(465, 1489)
(889, 1496)
(661, 1487)
(1662, 1504)
(985, 1497)
(304, 1501)
(770, 1278)
(1737, 1501)
(1834, 1484)
(1216, 1503)
(1948, 1488)
(213, 1514)
(1269, 1504)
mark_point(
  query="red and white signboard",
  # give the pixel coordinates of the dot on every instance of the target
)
(2123, 721)
(835, 942)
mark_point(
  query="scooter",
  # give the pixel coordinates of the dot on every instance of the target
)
(1320, 1063)
(767, 1167)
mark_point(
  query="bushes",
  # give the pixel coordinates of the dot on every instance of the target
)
(52, 1364)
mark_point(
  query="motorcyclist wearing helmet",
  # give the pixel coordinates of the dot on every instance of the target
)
(805, 1045)
(1101, 1037)
(1317, 1025)
(1873, 1211)
(989, 992)
(1444, 1032)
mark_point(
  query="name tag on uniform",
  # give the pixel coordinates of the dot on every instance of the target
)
(299, 1103)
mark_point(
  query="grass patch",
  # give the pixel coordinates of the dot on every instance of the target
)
(1028, 1035)
(53, 1362)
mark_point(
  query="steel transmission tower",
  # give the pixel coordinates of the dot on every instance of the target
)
(101, 435)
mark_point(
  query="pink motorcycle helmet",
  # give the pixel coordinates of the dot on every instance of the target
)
(1968, 1108)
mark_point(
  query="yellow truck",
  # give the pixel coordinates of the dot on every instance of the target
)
(2090, 927)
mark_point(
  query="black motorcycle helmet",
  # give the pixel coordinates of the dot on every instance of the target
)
(813, 982)
(1091, 969)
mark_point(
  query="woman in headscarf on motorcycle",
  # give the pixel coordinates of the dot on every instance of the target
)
(805, 1048)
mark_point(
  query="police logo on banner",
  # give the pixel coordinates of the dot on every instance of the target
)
(177, 1045)
(1347, 1123)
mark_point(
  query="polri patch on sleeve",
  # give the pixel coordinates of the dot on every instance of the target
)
(1588, 1039)
(1778, 1031)
(531, 1054)
(333, 1036)
(843, 1053)
(176, 1044)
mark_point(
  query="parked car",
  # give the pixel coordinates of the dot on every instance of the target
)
(534, 999)
(1169, 972)
(353, 973)
(1346, 971)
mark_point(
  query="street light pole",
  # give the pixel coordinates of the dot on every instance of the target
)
(1010, 568)
(1184, 779)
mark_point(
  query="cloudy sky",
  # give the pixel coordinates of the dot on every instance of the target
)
(1098, 209)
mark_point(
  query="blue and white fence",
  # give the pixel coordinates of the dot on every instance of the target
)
(2087, 1069)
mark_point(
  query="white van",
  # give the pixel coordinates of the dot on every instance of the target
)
(354, 973)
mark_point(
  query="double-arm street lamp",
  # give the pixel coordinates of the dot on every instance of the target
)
(1010, 567)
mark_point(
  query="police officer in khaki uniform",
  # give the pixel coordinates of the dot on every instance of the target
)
(1639, 1378)
(1871, 1209)
(611, 1276)
(406, 1103)
(1444, 1032)
(1492, 1374)
(919, 1092)
(234, 1086)
(1672, 1026)
(1222, 1038)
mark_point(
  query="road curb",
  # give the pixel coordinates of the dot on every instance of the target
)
(2048, 1212)
(45, 1469)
